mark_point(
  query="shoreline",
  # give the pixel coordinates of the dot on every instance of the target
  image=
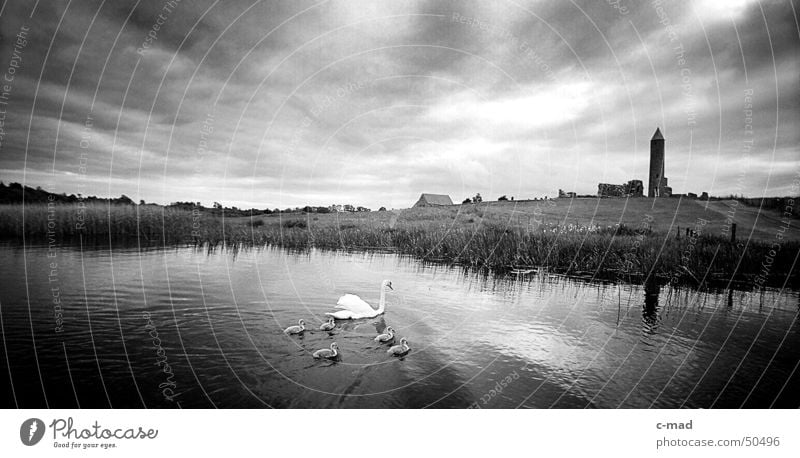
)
(603, 253)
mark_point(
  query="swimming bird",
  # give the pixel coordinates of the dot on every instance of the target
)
(327, 353)
(328, 326)
(399, 350)
(387, 336)
(296, 329)
(353, 307)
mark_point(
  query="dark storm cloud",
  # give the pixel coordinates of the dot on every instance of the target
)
(287, 103)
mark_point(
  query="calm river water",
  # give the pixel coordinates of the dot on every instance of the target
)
(185, 328)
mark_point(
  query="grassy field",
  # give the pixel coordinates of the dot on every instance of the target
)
(610, 238)
(663, 217)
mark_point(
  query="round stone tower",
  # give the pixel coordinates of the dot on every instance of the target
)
(656, 181)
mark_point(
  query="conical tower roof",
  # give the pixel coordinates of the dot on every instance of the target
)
(657, 135)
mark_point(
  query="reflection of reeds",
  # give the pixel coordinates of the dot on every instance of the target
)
(466, 238)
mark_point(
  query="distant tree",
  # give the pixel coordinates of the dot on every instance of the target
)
(467, 201)
(217, 205)
(141, 201)
(477, 198)
(503, 197)
(382, 209)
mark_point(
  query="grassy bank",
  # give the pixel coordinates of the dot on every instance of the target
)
(606, 252)
(66, 222)
(497, 237)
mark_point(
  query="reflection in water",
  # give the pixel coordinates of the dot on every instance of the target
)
(533, 340)
(650, 309)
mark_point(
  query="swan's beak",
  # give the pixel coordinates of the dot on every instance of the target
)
(390, 287)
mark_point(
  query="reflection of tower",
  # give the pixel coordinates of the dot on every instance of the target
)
(650, 309)
(656, 181)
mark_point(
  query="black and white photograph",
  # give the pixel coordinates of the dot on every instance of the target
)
(442, 204)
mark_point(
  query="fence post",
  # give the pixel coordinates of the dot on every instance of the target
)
(733, 232)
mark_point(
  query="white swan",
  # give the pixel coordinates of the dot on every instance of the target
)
(387, 336)
(328, 326)
(296, 329)
(327, 353)
(353, 307)
(399, 350)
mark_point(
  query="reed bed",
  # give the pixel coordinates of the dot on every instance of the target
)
(604, 254)
(468, 238)
(68, 222)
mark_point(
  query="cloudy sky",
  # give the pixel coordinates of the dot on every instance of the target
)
(287, 103)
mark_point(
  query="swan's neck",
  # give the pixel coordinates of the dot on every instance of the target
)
(382, 303)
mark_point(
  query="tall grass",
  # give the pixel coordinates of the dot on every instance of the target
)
(605, 254)
(470, 238)
(116, 222)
